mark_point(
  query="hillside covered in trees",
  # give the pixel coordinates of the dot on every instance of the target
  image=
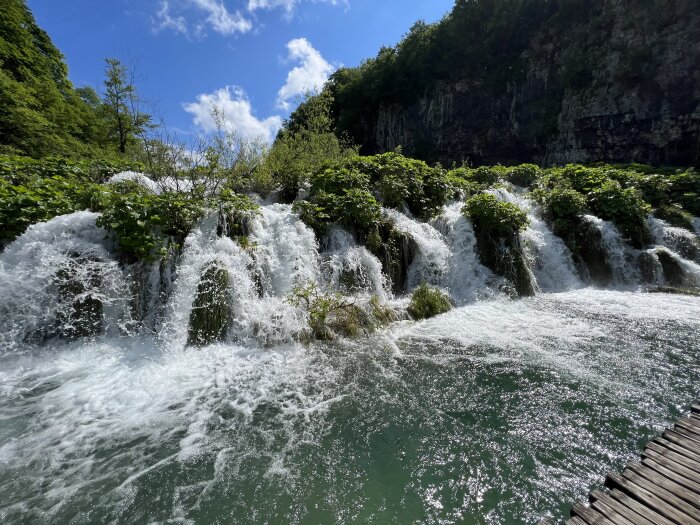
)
(547, 81)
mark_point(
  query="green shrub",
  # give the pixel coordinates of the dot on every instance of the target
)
(428, 302)
(491, 214)
(675, 216)
(524, 175)
(623, 206)
(486, 175)
(685, 190)
(563, 207)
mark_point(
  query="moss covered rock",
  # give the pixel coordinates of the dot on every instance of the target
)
(673, 271)
(82, 314)
(209, 319)
(396, 251)
(428, 302)
(590, 254)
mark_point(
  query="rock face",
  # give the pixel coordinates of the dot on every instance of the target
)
(209, 320)
(620, 86)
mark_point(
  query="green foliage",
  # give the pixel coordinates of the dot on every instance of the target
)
(524, 175)
(354, 208)
(329, 313)
(40, 112)
(685, 190)
(428, 302)
(501, 218)
(675, 216)
(563, 207)
(623, 206)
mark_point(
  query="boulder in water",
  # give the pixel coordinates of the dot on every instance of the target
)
(82, 314)
(589, 251)
(209, 319)
(504, 256)
(395, 249)
(673, 271)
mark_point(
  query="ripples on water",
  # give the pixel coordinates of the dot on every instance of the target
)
(497, 412)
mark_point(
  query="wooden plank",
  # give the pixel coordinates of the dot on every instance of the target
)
(695, 409)
(544, 522)
(613, 515)
(691, 458)
(642, 510)
(671, 454)
(661, 481)
(589, 515)
(690, 424)
(689, 484)
(600, 497)
(648, 499)
(689, 445)
(668, 463)
(664, 494)
(575, 521)
(688, 435)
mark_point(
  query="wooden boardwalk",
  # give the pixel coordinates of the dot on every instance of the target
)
(662, 489)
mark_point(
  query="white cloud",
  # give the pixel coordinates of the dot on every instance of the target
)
(202, 13)
(193, 17)
(310, 75)
(236, 113)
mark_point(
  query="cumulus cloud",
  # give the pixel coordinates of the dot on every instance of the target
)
(191, 17)
(310, 75)
(194, 17)
(236, 112)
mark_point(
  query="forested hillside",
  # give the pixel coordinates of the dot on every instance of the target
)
(549, 81)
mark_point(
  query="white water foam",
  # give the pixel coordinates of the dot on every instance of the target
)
(549, 258)
(67, 252)
(431, 262)
(619, 255)
(344, 259)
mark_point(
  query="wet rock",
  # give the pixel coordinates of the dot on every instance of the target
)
(673, 271)
(395, 250)
(210, 320)
(81, 314)
(504, 256)
(647, 267)
(588, 251)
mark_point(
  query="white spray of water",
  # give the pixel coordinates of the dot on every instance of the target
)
(345, 260)
(619, 255)
(549, 258)
(285, 250)
(70, 253)
(679, 240)
(431, 262)
(469, 280)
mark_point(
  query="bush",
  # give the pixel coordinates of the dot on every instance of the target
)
(675, 216)
(563, 207)
(624, 206)
(428, 302)
(685, 190)
(501, 218)
(524, 175)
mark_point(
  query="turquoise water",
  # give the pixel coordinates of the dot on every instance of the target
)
(498, 412)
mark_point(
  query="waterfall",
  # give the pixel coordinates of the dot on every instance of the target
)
(285, 249)
(350, 268)
(60, 278)
(468, 280)
(696, 225)
(550, 260)
(431, 262)
(679, 240)
(619, 255)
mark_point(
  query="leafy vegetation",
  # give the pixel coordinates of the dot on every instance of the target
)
(428, 302)
(493, 215)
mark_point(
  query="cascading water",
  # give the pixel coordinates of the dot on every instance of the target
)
(620, 256)
(124, 426)
(468, 280)
(60, 278)
(679, 240)
(696, 225)
(550, 260)
(431, 263)
(352, 268)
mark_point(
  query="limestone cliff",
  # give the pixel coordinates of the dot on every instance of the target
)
(619, 84)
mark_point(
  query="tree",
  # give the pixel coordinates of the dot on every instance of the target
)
(122, 106)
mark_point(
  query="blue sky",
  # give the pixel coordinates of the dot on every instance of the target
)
(250, 57)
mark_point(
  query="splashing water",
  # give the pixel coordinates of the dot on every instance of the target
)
(679, 240)
(619, 255)
(549, 259)
(352, 268)
(53, 269)
(431, 263)
(469, 280)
